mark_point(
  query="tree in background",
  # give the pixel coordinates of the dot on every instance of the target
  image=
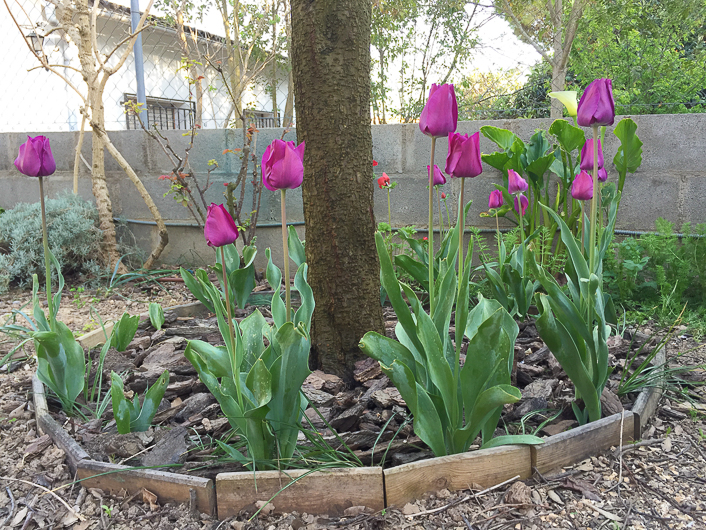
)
(331, 65)
(487, 95)
(654, 51)
(426, 42)
(550, 27)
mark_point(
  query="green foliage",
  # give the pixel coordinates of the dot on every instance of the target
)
(451, 404)
(156, 315)
(130, 416)
(74, 239)
(653, 51)
(575, 323)
(258, 387)
(657, 273)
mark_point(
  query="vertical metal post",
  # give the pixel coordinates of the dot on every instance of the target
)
(139, 62)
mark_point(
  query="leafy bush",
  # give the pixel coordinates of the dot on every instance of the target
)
(74, 239)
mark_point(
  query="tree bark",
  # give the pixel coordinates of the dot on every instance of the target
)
(95, 103)
(331, 65)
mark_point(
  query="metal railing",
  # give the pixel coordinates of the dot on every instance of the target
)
(162, 113)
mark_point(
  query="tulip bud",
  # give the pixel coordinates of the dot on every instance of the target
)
(516, 184)
(463, 158)
(439, 177)
(375, 163)
(495, 200)
(383, 181)
(440, 114)
(587, 155)
(582, 187)
(596, 106)
(523, 201)
(443, 195)
(35, 158)
(283, 165)
(602, 174)
(220, 228)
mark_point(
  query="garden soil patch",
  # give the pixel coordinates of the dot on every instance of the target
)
(654, 485)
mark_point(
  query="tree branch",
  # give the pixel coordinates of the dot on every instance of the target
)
(520, 27)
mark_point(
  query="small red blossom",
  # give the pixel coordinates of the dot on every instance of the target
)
(443, 195)
(383, 181)
(425, 238)
(163, 177)
(375, 163)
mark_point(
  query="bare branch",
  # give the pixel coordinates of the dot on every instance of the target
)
(530, 40)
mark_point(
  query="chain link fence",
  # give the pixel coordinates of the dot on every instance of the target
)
(36, 99)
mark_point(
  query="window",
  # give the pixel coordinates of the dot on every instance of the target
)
(162, 112)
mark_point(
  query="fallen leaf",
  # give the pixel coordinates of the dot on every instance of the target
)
(151, 498)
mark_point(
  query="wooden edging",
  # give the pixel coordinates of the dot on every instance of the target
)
(329, 491)
(97, 336)
(333, 491)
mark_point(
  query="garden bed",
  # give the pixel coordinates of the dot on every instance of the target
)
(359, 415)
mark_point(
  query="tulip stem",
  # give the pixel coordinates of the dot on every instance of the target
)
(285, 249)
(441, 215)
(431, 227)
(47, 263)
(461, 226)
(231, 330)
(594, 204)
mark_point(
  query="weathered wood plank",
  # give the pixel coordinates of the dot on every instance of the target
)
(169, 487)
(74, 452)
(40, 400)
(485, 467)
(322, 492)
(647, 401)
(96, 337)
(572, 446)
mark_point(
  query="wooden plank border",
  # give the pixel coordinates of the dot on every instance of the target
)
(329, 491)
(646, 403)
(486, 467)
(570, 447)
(96, 337)
(167, 486)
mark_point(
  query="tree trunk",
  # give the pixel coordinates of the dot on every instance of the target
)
(95, 102)
(558, 84)
(331, 64)
(558, 67)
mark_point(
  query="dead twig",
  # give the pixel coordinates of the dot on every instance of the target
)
(12, 507)
(62, 501)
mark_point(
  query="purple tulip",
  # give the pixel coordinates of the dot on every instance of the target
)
(515, 183)
(440, 114)
(596, 106)
(524, 201)
(35, 158)
(587, 155)
(495, 200)
(463, 158)
(582, 187)
(283, 165)
(220, 228)
(439, 177)
(602, 174)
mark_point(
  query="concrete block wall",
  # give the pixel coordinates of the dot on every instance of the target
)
(671, 182)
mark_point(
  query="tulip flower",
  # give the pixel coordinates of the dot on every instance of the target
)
(523, 201)
(439, 177)
(587, 155)
(283, 165)
(568, 99)
(602, 174)
(596, 106)
(443, 195)
(220, 228)
(516, 184)
(384, 181)
(35, 158)
(495, 200)
(440, 115)
(582, 187)
(463, 158)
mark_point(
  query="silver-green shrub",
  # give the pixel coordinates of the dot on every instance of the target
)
(74, 238)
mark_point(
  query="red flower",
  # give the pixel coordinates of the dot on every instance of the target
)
(375, 163)
(425, 239)
(443, 195)
(383, 181)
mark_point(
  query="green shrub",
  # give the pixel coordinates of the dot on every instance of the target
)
(73, 235)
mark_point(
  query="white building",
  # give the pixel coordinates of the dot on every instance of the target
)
(37, 100)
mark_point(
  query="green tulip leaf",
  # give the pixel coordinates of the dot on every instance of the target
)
(569, 137)
(296, 249)
(502, 137)
(156, 314)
